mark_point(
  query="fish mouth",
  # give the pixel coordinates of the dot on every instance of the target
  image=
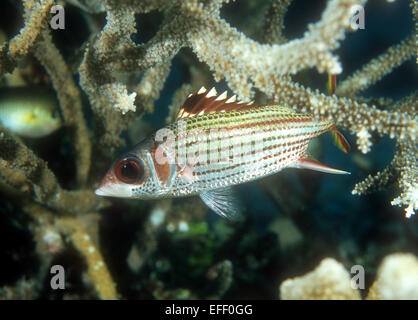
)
(102, 189)
(118, 190)
(100, 192)
(111, 188)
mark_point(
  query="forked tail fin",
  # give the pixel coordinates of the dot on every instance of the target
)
(332, 84)
(340, 140)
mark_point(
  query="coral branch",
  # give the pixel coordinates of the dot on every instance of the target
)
(179, 97)
(404, 170)
(408, 104)
(148, 90)
(35, 15)
(239, 59)
(22, 171)
(70, 102)
(274, 24)
(96, 268)
(377, 68)
(358, 118)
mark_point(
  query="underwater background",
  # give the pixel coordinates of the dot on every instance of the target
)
(178, 248)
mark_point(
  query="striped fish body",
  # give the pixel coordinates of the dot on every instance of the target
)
(223, 149)
(215, 144)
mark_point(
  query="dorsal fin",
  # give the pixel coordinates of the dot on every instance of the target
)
(206, 102)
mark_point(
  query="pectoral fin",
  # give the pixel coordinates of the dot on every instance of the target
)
(305, 163)
(224, 202)
(187, 174)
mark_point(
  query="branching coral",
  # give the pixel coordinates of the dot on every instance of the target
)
(36, 19)
(377, 68)
(111, 59)
(97, 269)
(23, 173)
(70, 102)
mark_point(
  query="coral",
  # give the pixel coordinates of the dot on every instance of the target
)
(70, 102)
(397, 278)
(36, 17)
(404, 168)
(377, 68)
(22, 172)
(274, 22)
(97, 269)
(329, 281)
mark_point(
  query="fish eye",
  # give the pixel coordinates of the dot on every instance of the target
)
(129, 170)
(55, 114)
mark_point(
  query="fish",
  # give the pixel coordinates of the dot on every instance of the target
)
(29, 112)
(215, 143)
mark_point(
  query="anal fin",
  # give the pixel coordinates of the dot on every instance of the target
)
(223, 202)
(305, 163)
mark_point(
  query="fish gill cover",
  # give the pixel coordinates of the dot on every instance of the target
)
(122, 70)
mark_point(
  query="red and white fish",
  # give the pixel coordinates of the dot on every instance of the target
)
(215, 143)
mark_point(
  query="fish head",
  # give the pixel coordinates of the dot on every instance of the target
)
(124, 178)
(46, 120)
(131, 176)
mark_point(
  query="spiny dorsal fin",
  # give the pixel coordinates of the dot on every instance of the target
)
(206, 102)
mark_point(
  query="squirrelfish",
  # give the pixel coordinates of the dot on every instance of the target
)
(215, 143)
(29, 112)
